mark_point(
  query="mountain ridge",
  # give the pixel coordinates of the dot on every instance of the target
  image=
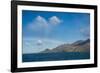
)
(78, 46)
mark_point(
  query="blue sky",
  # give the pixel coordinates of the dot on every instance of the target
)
(42, 29)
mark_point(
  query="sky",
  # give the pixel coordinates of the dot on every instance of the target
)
(46, 30)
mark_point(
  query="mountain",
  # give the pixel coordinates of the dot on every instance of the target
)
(78, 46)
(46, 51)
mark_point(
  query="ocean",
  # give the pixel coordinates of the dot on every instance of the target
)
(36, 57)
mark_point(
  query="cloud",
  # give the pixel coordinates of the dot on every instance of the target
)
(38, 23)
(39, 42)
(35, 45)
(42, 25)
(41, 21)
(54, 20)
(85, 32)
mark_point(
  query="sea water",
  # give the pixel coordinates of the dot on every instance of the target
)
(55, 56)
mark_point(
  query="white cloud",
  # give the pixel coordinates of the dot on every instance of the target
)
(35, 45)
(42, 25)
(39, 42)
(38, 23)
(41, 21)
(54, 20)
(85, 32)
